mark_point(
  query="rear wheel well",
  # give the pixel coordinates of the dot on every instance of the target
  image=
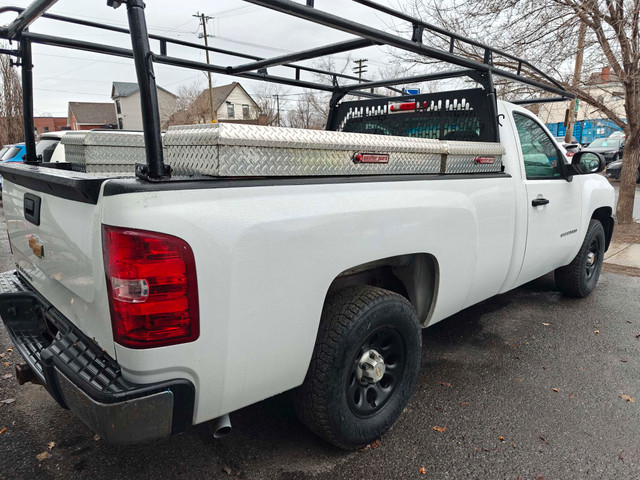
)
(604, 216)
(414, 276)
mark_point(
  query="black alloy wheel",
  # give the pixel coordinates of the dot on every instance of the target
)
(367, 395)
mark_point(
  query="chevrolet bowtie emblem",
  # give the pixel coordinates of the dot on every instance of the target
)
(36, 246)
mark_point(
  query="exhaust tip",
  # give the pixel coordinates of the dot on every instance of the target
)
(221, 426)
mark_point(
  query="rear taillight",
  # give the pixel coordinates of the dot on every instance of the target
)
(570, 154)
(153, 292)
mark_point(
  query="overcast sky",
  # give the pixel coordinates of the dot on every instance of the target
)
(63, 75)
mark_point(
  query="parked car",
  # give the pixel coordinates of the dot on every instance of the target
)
(610, 148)
(50, 147)
(571, 148)
(14, 153)
(614, 170)
(618, 134)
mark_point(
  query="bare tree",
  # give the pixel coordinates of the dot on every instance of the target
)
(546, 32)
(307, 112)
(272, 100)
(11, 127)
(189, 109)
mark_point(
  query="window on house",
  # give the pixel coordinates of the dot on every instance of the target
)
(118, 109)
(230, 110)
(46, 129)
(245, 112)
(120, 126)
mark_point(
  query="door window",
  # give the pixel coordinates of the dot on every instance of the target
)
(540, 155)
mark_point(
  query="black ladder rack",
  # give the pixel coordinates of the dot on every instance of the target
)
(256, 68)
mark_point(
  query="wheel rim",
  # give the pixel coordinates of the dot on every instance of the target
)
(369, 394)
(593, 258)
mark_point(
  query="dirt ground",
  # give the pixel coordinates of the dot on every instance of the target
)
(627, 233)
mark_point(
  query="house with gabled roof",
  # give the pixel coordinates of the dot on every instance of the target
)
(90, 115)
(231, 103)
(128, 111)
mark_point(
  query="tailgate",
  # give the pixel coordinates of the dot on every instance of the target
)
(54, 227)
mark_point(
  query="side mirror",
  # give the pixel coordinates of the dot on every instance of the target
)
(584, 162)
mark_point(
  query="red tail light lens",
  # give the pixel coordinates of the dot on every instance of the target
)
(153, 292)
(570, 154)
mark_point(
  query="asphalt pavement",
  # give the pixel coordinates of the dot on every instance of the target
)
(527, 385)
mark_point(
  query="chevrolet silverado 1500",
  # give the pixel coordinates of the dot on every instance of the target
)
(147, 298)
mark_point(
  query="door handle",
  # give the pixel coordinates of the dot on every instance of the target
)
(538, 202)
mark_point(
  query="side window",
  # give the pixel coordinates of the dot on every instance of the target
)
(539, 153)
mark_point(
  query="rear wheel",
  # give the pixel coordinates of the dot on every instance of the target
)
(579, 278)
(364, 366)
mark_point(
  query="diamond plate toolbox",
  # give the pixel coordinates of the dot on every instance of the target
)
(111, 152)
(252, 150)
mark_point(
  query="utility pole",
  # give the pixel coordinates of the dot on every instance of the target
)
(278, 108)
(360, 68)
(577, 72)
(203, 21)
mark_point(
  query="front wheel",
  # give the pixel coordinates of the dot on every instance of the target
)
(364, 366)
(579, 278)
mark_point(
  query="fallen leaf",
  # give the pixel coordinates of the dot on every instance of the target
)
(43, 456)
(597, 332)
(628, 398)
(51, 445)
(227, 470)
(513, 445)
(638, 335)
(440, 409)
(501, 438)
(445, 384)
(423, 471)
(440, 429)
(464, 403)
(7, 376)
(10, 349)
(543, 440)
(555, 389)
(624, 360)
(546, 324)
(6, 364)
(96, 437)
(539, 477)
(519, 380)
(8, 400)
(513, 345)
(571, 395)
(4, 429)
(580, 369)
(375, 444)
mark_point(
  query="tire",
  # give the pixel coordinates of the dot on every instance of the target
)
(332, 402)
(637, 176)
(579, 278)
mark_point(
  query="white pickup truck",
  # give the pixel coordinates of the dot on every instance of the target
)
(278, 259)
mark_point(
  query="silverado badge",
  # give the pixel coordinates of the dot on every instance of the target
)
(36, 246)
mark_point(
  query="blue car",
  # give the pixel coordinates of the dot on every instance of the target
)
(12, 153)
